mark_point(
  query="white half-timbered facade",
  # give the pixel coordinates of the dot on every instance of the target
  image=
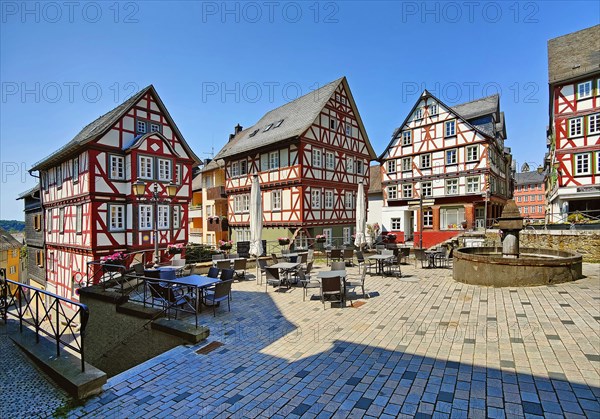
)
(310, 155)
(86, 189)
(448, 157)
(573, 159)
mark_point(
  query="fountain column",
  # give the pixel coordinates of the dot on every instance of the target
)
(511, 223)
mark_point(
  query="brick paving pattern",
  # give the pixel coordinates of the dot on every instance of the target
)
(421, 346)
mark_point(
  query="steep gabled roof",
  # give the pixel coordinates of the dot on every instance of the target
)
(297, 116)
(478, 107)
(29, 192)
(574, 55)
(529, 178)
(375, 179)
(101, 125)
(470, 108)
(7, 241)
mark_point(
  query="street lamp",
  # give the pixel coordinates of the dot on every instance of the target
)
(139, 190)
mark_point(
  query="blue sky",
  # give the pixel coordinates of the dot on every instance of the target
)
(217, 64)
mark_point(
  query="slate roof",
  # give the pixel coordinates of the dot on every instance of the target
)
(375, 179)
(297, 115)
(98, 127)
(7, 241)
(197, 182)
(479, 107)
(529, 178)
(29, 192)
(574, 55)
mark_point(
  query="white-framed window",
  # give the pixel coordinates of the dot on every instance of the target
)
(276, 200)
(406, 164)
(582, 164)
(49, 221)
(540, 197)
(540, 208)
(433, 109)
(209, 208)
(425, 161)
(426, 189)
(116, 217)
(330, 160)
(406, 137)
(472, 153)
(347, 234)
(243, 167)
(274, 160)
(163, 217)
(75, 169)
(519, 198)
(396, 224)
(450, 128)
(328, 233)
(315, 199)
(451, 186)
(140, 127)
(155, 128)
(328, 199)
(61, 220)
(176, 216)
(349, 165)
(349, 200)
(391, 166)
(145, 217)
(525, 210)
(59, 176)
(246, 203)
(317, 157)
(348, 129)
(359, 167)
(597, 162)
(164, 170)
(235, 169)
(419, 113)
(392, 192)
(451, 156)
(451, 218)
(427, 218)
(526, 198)
(13, 270)
(145, 167)
(78, 219)
(116, 166)
(576, 127)
(584, 90)
(407, 190)
(473, 184)
(178, 174)
(594, 123)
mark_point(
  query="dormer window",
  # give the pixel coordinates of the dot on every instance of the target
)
(253, 133)
(141, 127)
(155, 128)
(419, 113)
(268, 127)
(278, 123)
(433, 110)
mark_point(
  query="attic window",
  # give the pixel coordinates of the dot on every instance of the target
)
(141, 127)
(268, 127)
(278, 123)
(155, 128)
(433, 110)
(253, 133)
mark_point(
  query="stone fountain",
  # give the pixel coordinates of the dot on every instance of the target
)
(510, 266)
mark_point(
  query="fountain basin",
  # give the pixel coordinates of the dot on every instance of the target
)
(486, 266)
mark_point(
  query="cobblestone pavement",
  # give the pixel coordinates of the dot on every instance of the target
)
(25, 391)
(420, 346)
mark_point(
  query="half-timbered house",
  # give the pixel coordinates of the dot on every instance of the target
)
(86, 189)
(34, 238)
(573, 158)
(310, 155)
(449, 162)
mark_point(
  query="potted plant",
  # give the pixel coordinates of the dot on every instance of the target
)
(114, 262)
(225, 244)
(463, 224)
(175, 249)
(320, 238)
(283, 241)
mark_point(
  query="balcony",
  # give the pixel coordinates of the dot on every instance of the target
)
(217, 224)
(215, 193)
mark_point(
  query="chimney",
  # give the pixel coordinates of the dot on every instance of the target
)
(231, 136)
(238, 129)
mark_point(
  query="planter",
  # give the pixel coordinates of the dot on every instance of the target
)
(320, 240)
(175, 251)
(225, 247)
(284, 242)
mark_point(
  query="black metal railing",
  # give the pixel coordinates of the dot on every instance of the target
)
(35, 307)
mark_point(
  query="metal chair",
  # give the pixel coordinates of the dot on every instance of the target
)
(404, 254)
(262, 265)
(331, 287)
(227, 274)
(338, 266)
(393, 265)
(360, 283)
(348, 256)
(274, 258)
(367, 264)
(213, 272)
(334, 255)
(307, 283)
(421, 256)
(272, 277)
(220, 292)
(224, 264)
(239, 267)
(379, 248)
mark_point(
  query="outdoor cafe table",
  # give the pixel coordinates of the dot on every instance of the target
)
(333, 274)
(431, 254)
(286, 267)
(288, 256)
(200, 282)
(380, 259)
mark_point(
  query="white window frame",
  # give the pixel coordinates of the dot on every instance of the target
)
(347, 234)
(155, 127)
(348, 200)
(116, 217)
(116, 166)
(455, 212)
(576, 127)
(243, 167)
(328, 199)
(392, 192)
(330, 160)
(145, 167)
(396, 224)
(164, 214)
(406, 138)
(426, 189)
(145, 217)
(141, 127)
(593, 122)
(59, 176)
(235, 169)
(176, 217)
(473, 184)
(328, 233)
(165, 170)
(419, 113)
(450, 128)
(315, 198)
(78, 219)
(582, 88)
(425, 161)
(391, 166)
(349, 165)
(452, 186)
(276, 200)
(274, 160)
(451, 157)
(407, 190)
(246, 203)
(49, 221)
(472, 153)
(406, 164)
(177, 174)
(427, 218)
(582, 159)
(348, 129)
(61, 220)
(359, 167)
(75, 169)
(433, 109)
(597, 162)
(317, 158)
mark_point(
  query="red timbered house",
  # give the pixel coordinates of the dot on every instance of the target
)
(450, 161)
(573, 158)
(310, 154)
(86, 189)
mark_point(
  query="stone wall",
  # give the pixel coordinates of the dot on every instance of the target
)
(586, 243)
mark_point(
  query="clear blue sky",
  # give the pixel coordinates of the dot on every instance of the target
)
(217, 64)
